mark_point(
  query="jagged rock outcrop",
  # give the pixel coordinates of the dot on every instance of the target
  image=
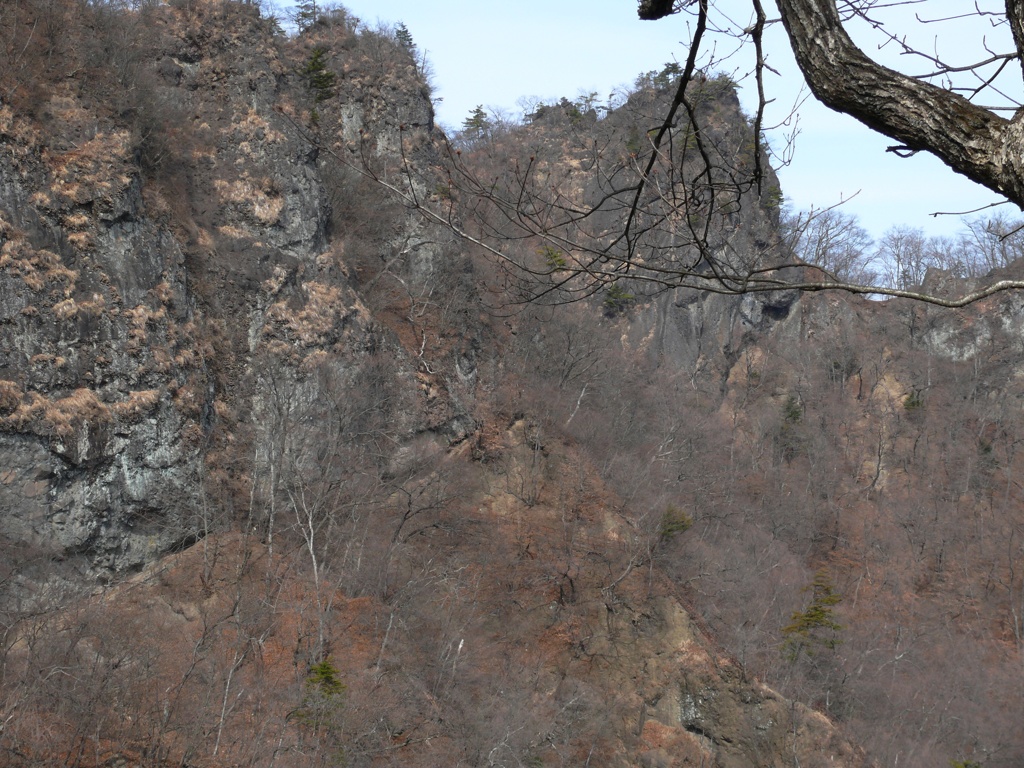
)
(139, 311)
(105, 385)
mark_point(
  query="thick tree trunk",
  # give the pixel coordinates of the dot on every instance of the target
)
(971, 140)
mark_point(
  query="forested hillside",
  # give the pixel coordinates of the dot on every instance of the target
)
(300, 466)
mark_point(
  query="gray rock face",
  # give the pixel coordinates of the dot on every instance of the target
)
(98, 344)
(159, 299)
(140, 312)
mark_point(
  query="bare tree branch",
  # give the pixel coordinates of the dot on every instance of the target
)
(971, 140)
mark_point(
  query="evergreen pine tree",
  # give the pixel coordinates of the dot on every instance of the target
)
(307, 12)
(404, 38)
(319, 79)
(477, 125)
(815, 627)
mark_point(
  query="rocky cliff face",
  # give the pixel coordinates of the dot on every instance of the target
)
(140, 306)
(160, 276)
(106, 394)
(277, 408)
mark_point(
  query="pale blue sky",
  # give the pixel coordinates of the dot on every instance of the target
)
(494, 53)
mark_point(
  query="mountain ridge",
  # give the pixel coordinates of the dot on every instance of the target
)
(265, 434)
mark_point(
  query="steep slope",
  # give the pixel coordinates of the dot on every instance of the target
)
(214, 325)
(867, 448)
(283, 480)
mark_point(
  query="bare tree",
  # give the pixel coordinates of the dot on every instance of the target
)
(904, 256)
(936, 111)
(669, 190)
(658, 217)
(953, 110)
(992, 242)
(834, 241)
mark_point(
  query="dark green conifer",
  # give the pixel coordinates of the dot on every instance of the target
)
(306, 14)
(319, 79)
(815, 627)
(404, 38)
(477, 125)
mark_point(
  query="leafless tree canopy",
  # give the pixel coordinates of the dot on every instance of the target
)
(952, 109)
(963, 112)
(664, 213)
